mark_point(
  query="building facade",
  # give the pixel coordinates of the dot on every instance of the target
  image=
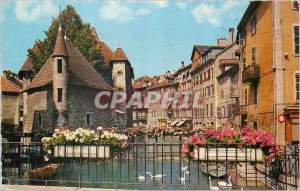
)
(268, 36)
(63, 92)
(12, 103)
(204, 82)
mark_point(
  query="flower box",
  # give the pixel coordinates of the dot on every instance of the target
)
(229, 154)
(92, 151)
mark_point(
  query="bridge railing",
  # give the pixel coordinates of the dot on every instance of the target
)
(147, 166)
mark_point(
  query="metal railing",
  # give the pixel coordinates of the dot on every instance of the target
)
(251, 74)
(147, 166)
(239, 110)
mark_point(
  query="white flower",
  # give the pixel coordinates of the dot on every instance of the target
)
(81, 140)
(54, 135)
(49, 152)
(46, 158)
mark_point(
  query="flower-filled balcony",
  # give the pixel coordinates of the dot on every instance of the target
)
(251, 74)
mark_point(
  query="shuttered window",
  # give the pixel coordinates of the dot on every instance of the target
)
(296, 39)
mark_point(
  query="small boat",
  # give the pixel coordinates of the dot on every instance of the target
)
(214, 170)
(43, 172)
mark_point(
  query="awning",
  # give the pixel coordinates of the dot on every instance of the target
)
(174, 123)
(180, 123)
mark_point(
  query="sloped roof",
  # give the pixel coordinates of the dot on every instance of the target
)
(163, 84)
(106, 50)
(28, 65)
(60, 47)
(9, 86)
(119, 55)
(78, 66)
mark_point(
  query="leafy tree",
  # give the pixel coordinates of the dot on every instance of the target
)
(79, 33)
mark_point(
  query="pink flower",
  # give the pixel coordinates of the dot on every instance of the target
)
(253, 142)
(230, 141)
(202, 142)
(195, 138)
(192, 154)
(245, 131)
(184, 149)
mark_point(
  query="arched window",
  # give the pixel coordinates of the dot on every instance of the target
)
(88, 119)
(40, 120)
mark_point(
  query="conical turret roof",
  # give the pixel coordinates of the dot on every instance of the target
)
(60, 46)
(119, 55)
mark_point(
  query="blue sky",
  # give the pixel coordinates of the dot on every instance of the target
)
(155, 35)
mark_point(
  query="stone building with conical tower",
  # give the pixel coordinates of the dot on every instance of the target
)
(63, 92)
(122, 76)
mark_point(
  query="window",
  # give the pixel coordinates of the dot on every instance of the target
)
(88, 119)
(223, 111)
(211, 110)
(228, 111)
(296, 39)
(222, 94)
(296, 5)
(297, 87)
(59, 66)
(120, 73)
(253, 55)
(59, 94)
(253, 25)
(206, 110)
(212, 90)
(208, 90)
(246, 97)
(255, 95)
(40, 120)
(208, 74)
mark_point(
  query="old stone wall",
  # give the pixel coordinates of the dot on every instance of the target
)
(10, 109)
(40, 104)
(80, 102)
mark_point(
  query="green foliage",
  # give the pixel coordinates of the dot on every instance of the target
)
(78, 32)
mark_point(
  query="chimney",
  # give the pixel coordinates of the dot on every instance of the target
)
(231, 36)
(6, 73)
(222, 42)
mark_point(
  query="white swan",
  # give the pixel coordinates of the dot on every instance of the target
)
(183, 168)
(156, 176)
(182, 179)
(212, 187)
(141, 178)
(225, 184)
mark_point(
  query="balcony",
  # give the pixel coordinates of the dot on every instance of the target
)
(251, 74)
(239, 110)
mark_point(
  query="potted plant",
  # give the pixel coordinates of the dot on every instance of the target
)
(83, 142)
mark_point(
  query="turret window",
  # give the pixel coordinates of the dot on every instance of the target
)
(88, 119)
(296, 40)
(40, 120)
(59, 94)
(59, 66)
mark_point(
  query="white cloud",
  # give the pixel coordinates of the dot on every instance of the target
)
(181, 4)
(159, 3)
(29, 11)
(143, 11)
(211, 13)
(115, 11)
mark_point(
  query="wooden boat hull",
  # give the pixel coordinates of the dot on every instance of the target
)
(217, 171)
(43, 172)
